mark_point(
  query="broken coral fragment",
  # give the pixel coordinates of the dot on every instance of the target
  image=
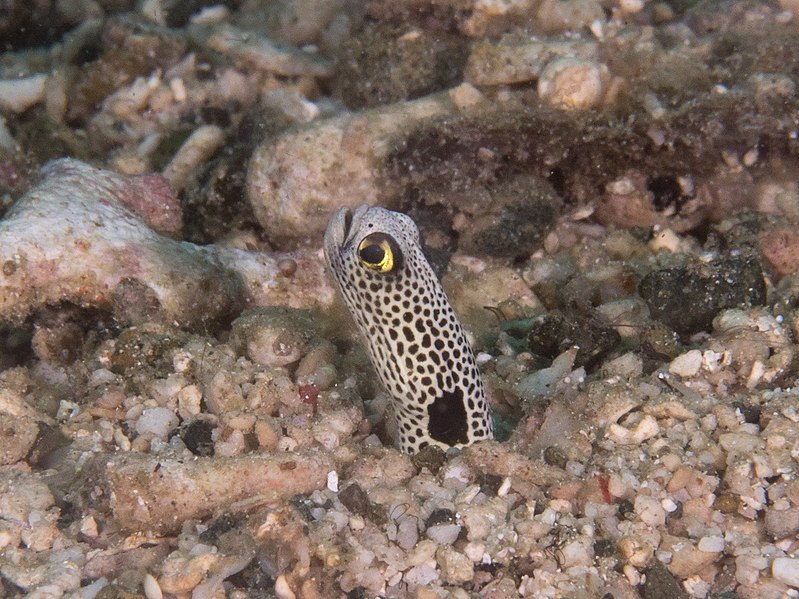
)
(144, 492)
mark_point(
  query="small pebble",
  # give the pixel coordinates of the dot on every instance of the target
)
(786, 569)
(645, 429)
(456, 568)
(282, 588)
(650, 511)
(158, 422)
(711, 544)
(740, 443)
(152, 590)
(574, 83)
(332, 481)
(444, 534)
(687, 365)
(407, 533)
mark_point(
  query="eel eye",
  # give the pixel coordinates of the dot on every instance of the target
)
(379, 252)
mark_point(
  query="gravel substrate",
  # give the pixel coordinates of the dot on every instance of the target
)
(608, 190)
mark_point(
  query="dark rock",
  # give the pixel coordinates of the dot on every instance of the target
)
(215, 200)
(490, 483)
(661, 584)
(440, 516)
(15, 345)
(688, 298)
(666, 193)
(29, 23)
(556, 333)
(357, 593)
(144, 350)
(518, 213)
(604, 548)
(197, 437)
(57, 339)
(221, 525)
(456, 161)
(750, 411)
(660, 342)
(727, 503)
(626, 508)
(555, 456)
(355, 499)
(429, 457)
(253, 578)
(383, 63)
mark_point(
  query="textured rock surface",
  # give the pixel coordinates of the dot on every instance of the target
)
(143, 492)
(296, 180)
(72, 238)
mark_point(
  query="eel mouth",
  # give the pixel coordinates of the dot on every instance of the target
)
(347, 221)
(343, 227)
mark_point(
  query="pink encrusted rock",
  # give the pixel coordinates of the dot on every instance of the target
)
(71, 238)
(151, 198)
(83, 235)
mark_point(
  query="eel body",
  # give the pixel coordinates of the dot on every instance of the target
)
(416, 343)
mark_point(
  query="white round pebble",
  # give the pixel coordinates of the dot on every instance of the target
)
(574, 83)
(483, 358)
(631, 6)
(475, 551)
(332, 481)
(786, 569)
(711, 544)
(152, 590)
(687, 365)
(282, 588)
(669, 505)
(157, 422)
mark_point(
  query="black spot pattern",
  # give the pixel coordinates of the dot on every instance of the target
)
(416, 343)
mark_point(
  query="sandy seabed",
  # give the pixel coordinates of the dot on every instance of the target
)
(608, 190)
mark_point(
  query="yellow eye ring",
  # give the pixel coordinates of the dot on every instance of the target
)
(379, 252)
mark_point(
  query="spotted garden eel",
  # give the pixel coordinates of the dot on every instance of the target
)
(416, 343)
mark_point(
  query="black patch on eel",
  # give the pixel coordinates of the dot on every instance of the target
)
(448, 422)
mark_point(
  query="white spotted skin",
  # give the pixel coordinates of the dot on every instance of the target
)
(416, 343)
